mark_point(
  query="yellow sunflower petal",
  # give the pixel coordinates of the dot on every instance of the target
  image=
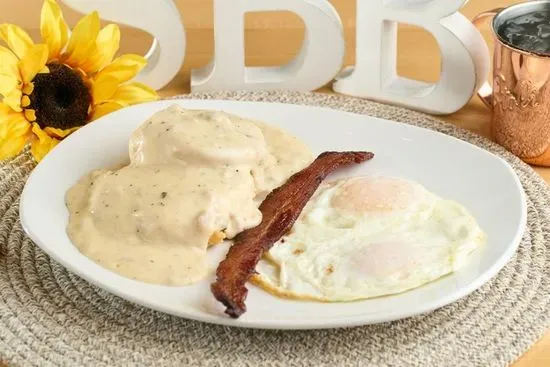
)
(9, 63)
(5, 112)
(107, 44)
(14, 134)
(58, 133)
(13, 99)
(124, 95)
(25, 101)
(8, 83)
(10, 148)
(30, 115)
(54, 29)
(82, 42)
(8, 117)
(42, 143)
(9, 75)
(103, 88)
(133, 93)
(16, 38)
(124, 68)
(33, 62)
(104, 109)
(15, 125)
(28, 88)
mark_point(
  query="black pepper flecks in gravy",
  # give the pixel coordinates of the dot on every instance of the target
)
(191, 173)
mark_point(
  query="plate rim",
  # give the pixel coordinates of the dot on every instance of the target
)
(277, 324)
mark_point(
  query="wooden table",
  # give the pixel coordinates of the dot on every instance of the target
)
(273, 39)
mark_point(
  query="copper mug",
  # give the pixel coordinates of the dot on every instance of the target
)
(520, 93)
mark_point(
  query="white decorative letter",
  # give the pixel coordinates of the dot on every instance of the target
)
(317, 63)
(160, 18)
(464, 54)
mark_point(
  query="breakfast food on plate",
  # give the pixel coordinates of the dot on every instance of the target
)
(369, 236)
(195, 177)
(198, 177)
(279, 210)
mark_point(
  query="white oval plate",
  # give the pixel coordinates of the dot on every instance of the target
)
(454, 169)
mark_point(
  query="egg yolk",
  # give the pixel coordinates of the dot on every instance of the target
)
(381, 260)
(374, 194)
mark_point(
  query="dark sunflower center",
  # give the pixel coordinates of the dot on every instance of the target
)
(60, 98)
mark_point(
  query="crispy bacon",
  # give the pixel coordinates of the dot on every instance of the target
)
(280, 209)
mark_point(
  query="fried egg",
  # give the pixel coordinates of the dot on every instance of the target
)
(366, 237)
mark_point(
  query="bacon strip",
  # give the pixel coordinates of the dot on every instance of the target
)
(280, 209)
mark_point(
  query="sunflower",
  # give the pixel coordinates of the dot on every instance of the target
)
(51, 89)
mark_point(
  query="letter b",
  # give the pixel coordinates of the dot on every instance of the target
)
(464, 54)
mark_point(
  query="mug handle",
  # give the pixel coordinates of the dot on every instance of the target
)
(485, 93)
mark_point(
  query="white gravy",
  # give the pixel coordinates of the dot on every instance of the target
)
(191, 173)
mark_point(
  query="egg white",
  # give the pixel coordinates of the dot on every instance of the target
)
(366, 237)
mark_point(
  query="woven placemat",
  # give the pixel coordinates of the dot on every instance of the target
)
(49, 316)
